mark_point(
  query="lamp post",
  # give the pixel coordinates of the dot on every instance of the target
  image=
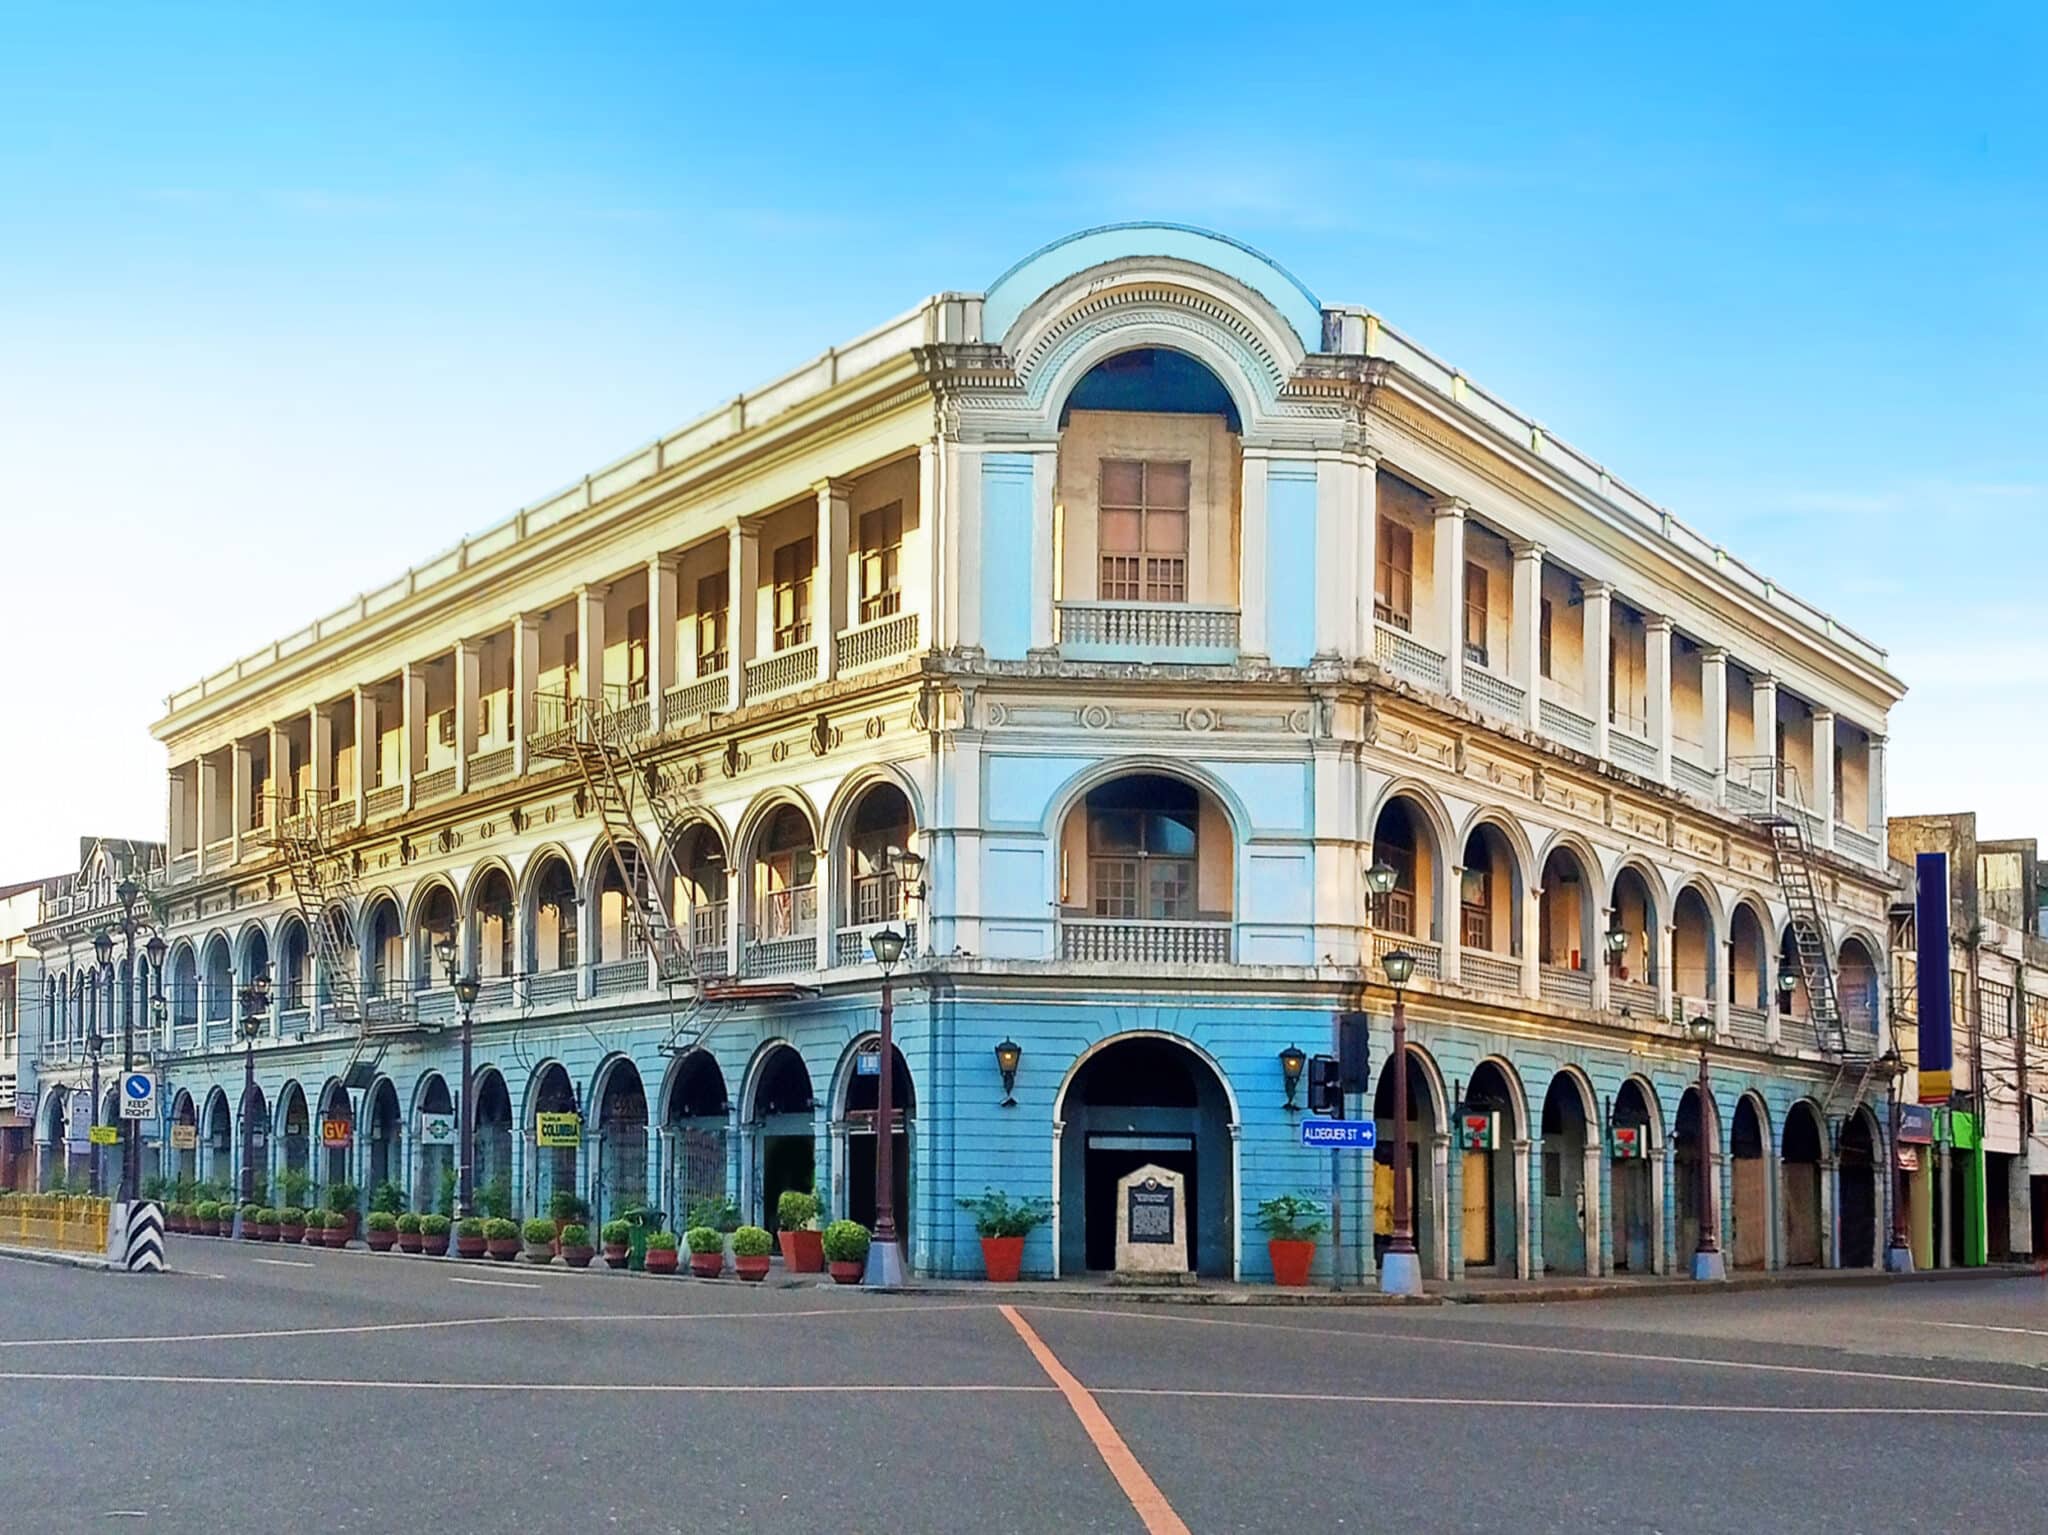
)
(1707, 1260)
(103, 951)
(95, 1042)
(466, 989)
(1401, 1270)
(885, 1257)
(1898, 1253)
(255, 1003)
(131, 1150)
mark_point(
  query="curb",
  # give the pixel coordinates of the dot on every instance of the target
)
(60, 1260)
(1823, 1279)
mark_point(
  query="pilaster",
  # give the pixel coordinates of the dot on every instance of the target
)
(1657, 641)
(743, 622)
(1823, 796)
(1597, 664)
(467, 663)
(1525, 629)
(525, 682)
(1714, 715)
(1448, 564)
(828, 583)
(661, 637)
(1251, 558)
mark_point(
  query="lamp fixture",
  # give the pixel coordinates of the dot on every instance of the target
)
(1381, 878)
(1788, 979)
(467, 989)
(155, 949)
(1702, 1028)
(1008, 1054)
(1617, 940)
(103, 945)
(1293, 1060)
(1399, 964)
(887, 945)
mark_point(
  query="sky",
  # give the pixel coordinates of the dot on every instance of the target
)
(291, 299)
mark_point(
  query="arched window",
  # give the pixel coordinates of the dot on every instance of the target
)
(435, 925)
(494, 952)
(384, 957)
(881, 829)
(786, 878)
(554, 929)
(1142, 849)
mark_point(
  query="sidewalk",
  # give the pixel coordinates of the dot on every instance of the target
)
(60, 1260)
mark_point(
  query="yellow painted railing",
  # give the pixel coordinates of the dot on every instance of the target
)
(54, 1223)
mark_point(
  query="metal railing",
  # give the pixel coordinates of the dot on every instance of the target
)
(1145, 943)
(54, 1223)
(616, 976)
(489, 767)
(1147, 625)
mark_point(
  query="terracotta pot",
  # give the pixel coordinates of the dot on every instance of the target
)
(355, 1224)
(316, 1236)
(578, 1257)
(469, 1247)
(803, 1252)
(1291, 1261)
(434, 1247)
(336, 1236)
(1002, 1257)
(752, 1268)
(249, 1232)
(616, 1254)
(382, 1241)
(844, 1272)
(504, 1250)
(409, 1241)
(291, 1233)
(662, 1260)
(266, 1233)
(707, 1265)
(540, 1252)
(209, 1228)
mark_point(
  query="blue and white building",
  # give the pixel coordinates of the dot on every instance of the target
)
(1151, 601)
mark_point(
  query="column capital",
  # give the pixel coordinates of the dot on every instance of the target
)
(1602, 590)
(1657, 623)
(1450, 506)
(1713, 655)
(1821, 714)
(597, 589)
(1761, 680)
(834, 486)
(1525, 549)
(1878, 739)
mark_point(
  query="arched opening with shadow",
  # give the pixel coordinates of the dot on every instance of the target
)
(1633, 1148)
(698, 1116)
(434, 1174)
(1570, 1174)
(1800, 1187)
(1856, 1177)
(782, 1131)
(386, 1149)
(1750, 1216)
(1490, 1205)
(554, 1167)
(859, 1090)
(620, 1177)
(492, 1171)
(1694, 1134)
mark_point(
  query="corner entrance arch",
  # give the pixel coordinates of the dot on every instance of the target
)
(1137, 1099)
(1634, 1178)
(783, 1131)
(855, 1121)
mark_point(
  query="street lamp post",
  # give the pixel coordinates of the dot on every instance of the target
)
(885, 1254)
(255, 1003)
(1707, 1260)
(1898, 1253)
(1401, 1270)
(467, 989)
(131, 1149)
(95, 1043)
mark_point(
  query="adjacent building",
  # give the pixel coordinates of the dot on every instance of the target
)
(1159, 611)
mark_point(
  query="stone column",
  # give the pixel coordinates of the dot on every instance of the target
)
(1822, 798)
(1591, 1160)
(1448, 563)
(320, 771)
(1876, 812)
(1525, 631)
(829, 603)
(1336, 562)
(1365, 639)
(590, 619)
(1252, 643)
(1596, 664)
(743, 619)
(366, 749)
(923, 573)
(1529, 1208)
(661, 637)
(1657, 640)
(1714, 715)
(467, 678)
(412, 749)
(525, 680)
(1764, 713)
(1439, 1234)
(1666, 935)
(207, 815)
(1045, 578)
(242, 770)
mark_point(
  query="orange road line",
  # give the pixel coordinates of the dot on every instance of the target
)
(1146, 1498)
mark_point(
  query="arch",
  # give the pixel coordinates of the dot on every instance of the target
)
(1411, 834)
(782, 862)
(1570, 1174)
(1750, 971)
(294, 1131)
(556, 1169)
(1428, 1122)
(492, 1161)
(1567, 916)
(217, 1138)
(1749, 1214)
(337, 1162)
(490, 921)
(612, 932)
(854, 1101)
(619, 1180)
(778, 1107)
(1635, 904)
(252, 950)
(1512, 832)
(1092, 777)
(217, 994)
(1695, 947)
(1858, 982)
(1636, 1141)
(873, 824)
(1801, 1151)
(1493, 860)
(294, 970)
(696, 1111)
(1169, 1090)
(1144, 846)
(856, 787)
(384, 1166)
(432, 1112)
(382, 940)
(747, 834)
(1695, 1132)
(550, 911)
(1857, 1158)
(435, 913)
(1493, 1230)
(698, 858)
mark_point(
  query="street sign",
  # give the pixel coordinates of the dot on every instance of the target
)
(336, 1132)
(868, 1064)
(1340, 1134)
(557, 1129)
(138, 1095)
(106, 1135)
(184, 1137)
(437, 1129)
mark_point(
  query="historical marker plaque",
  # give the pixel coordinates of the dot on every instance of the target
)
(1152, 1225)
(1148, 1215)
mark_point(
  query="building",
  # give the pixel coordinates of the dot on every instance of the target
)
(1977, 1169)
(79, 1004)
(20, 990)
(1151, 602)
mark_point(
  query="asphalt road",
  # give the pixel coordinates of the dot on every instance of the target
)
(265, 1388)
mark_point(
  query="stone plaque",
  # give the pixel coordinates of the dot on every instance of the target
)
(1152, 1225)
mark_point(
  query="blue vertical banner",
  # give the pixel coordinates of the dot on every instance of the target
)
(1930, 926)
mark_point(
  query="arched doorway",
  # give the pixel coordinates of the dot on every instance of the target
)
(1750, 1215)
(554, 1167)
(433, 1179)
(1695, 1133)
(337, 1136)
(1634, 1149)
(491, 1170)
(697, 1119)
(296, 1176)
(620, 1181)
(1490, 1206)
(1570, 1184)
(221, 1169)
(1799, 1170)
(1856, 1178)
(1145, 1098)
(782, 1132)
(387, 1141)
(184, 1142)
(859, 1088)
(56, 1171)
(1425, 1128)
(255, 1117)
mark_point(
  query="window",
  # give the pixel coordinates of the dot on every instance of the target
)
(1141, 850)
(1841, 811)
(1475, 909)
(1543, 640)
(1475, 613)
(636, 654)
(1142, 530)
(444, 727)
(713, 610)
(483, 717)
(1396, 848)
(881, 551)
(1393, 586)
(793, 566)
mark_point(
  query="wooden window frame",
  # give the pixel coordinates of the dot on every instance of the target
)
(881, 563)
(793, 565)
(1155, 573)
(1393, 585)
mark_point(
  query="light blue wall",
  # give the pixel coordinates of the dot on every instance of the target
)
(1006, 512)
(1291, 561)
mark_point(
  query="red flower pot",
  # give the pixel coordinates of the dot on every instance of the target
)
(578, 1257)
(1291, 1261)
(315, 1236)
(469, 1247)
(209, 1228)
(803, 1252)
(661, 1260)
(434, 1247)
(382, 1241)
(266, 1233)
(336, 1236)
(752, 1268)
(504, 1250)
(616, 1254)
(291, 1233)
(1002, 1257)
(707, 1265)
(249, 1232)
(410, 1241)
(848, 1273)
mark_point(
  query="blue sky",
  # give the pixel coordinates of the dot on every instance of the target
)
(287, 303)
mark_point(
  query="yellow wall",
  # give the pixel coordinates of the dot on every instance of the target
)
(1688, 699)
(1567, 684)
(1214, 477)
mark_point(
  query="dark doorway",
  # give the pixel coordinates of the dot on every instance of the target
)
(1114, 1157)
(1856, 1177)
(1635, 1214)
(859, 1114)
(784, 1145)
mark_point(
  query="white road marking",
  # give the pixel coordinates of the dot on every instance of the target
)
(495, 1284)
(283, 1263)
(2025, 1332)
(1899, 1410)
(1552, 1348)
(527, 1388)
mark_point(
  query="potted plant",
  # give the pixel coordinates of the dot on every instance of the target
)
(380, 1230)
(540, 1241)
(291, 1224)
(388, 1197)
(751, 1247)
(340, 1227)
(293, 1185)
(618, 1240)
(707, 1251)
(501, 1238)
(1003, 1223)
(1292, 1222)
(249, 1221)
(344, 1199)
(470, 1238)
(175, 1218)
(409, 1233)
(575, 1244)
(316, 1226)
(846, 1251)
(266, 1224)
(434, 1235)
(803, 1249)
(661, 1253)
(208, 1213)
(566, 1208)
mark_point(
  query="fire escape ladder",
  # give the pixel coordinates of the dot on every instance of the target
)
(324, 888)
(1809, 935)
